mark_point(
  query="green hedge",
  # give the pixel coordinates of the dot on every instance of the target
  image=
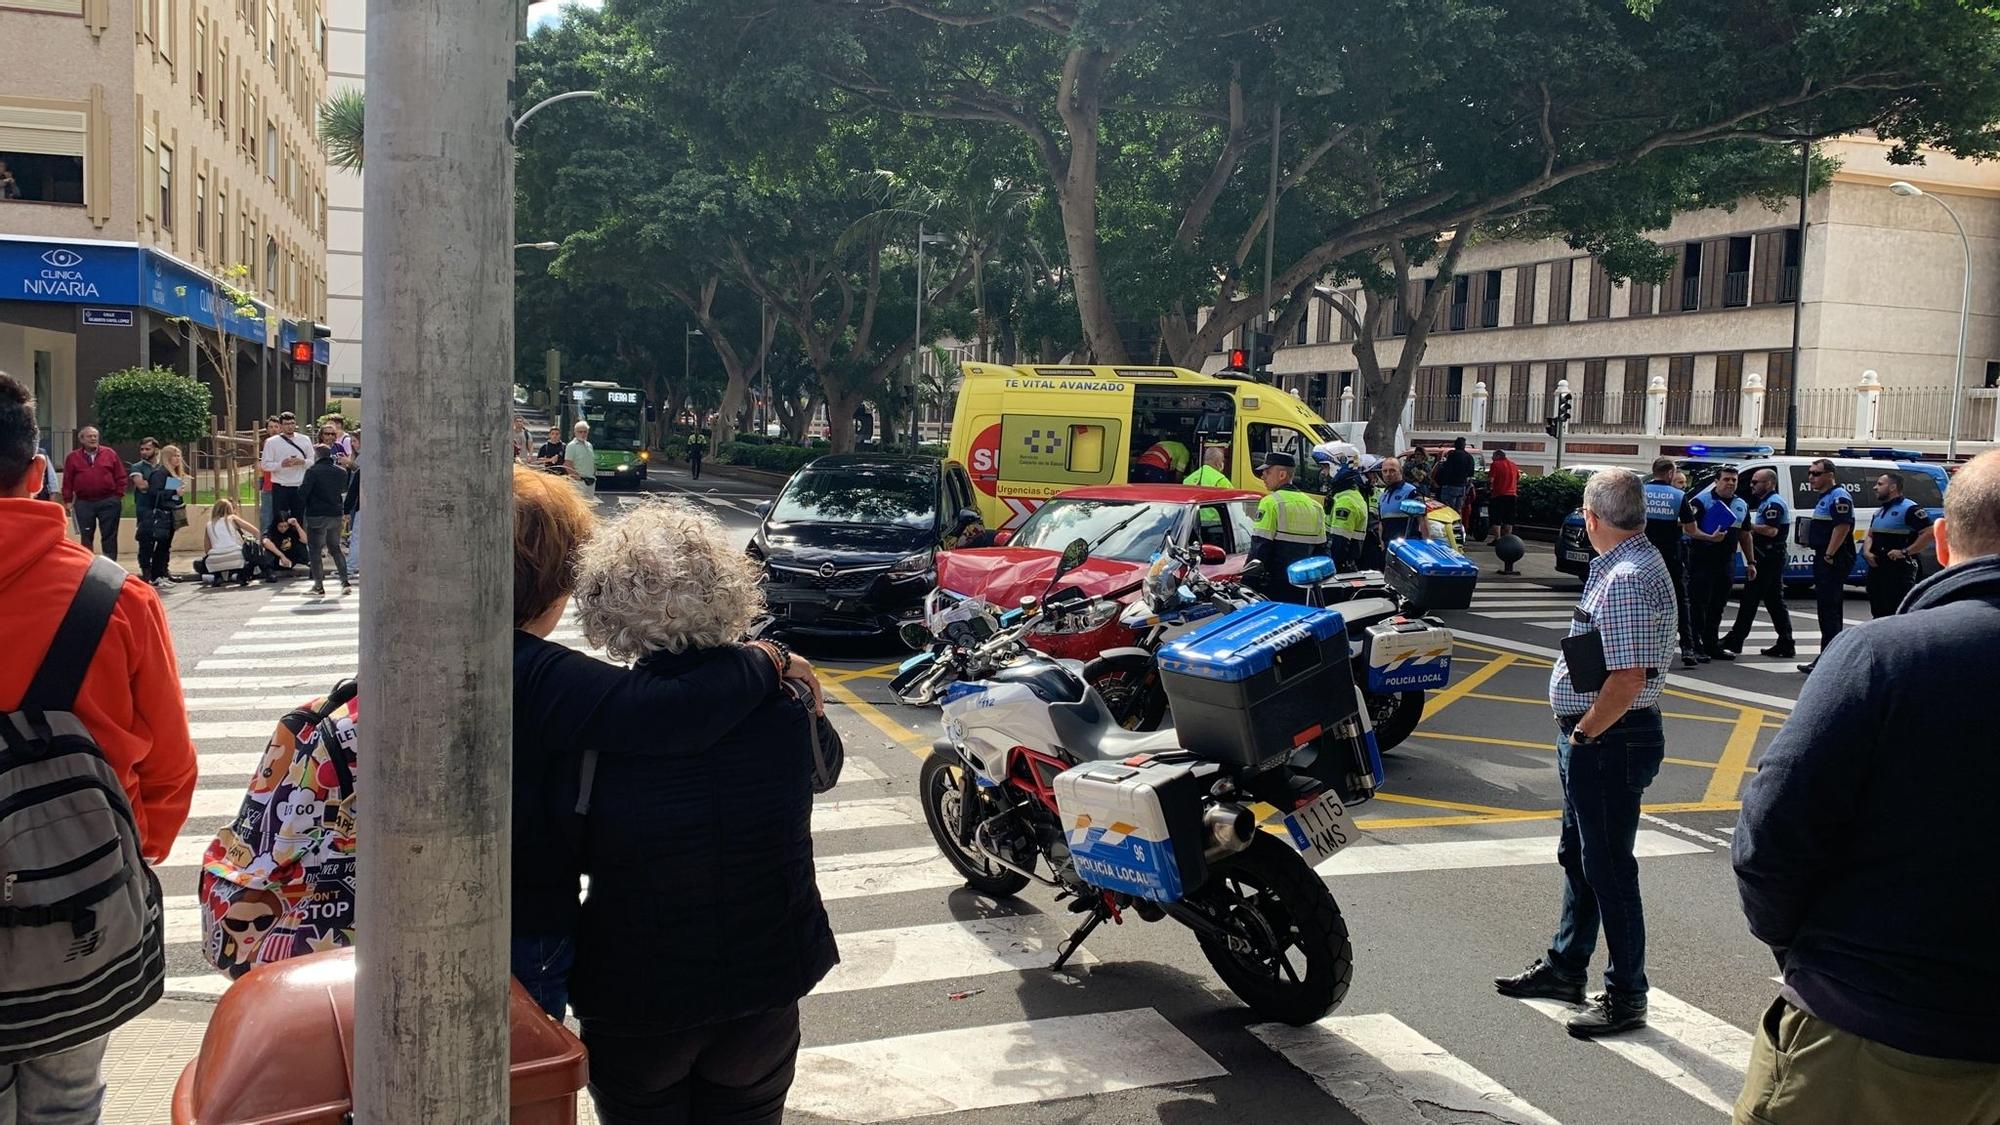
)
(139, 403)
(1549, 499)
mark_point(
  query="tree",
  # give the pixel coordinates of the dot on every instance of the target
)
(342, 121)
(1151, 124)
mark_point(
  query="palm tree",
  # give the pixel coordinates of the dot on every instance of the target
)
(341, 121)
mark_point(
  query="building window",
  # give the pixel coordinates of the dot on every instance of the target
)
(270, 34)
(249, 251)
(270, 265)
(270, 151)
(1299, 329)
(1461, 295)
(166, 188)
(222, 88)
(248, 136)
(201, 214)
(1736, 282)
(1788, 281)
(1599, 300)
(1489, 301)
(1690, 294)
(221, 227)
(41, 154)
(201, 61)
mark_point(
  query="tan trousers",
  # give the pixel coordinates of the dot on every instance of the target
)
(1805, 1071)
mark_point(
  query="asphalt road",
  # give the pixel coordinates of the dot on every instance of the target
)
(942, 1004)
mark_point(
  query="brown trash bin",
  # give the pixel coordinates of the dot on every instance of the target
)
(280, 1049)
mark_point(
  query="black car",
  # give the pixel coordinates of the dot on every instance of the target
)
(849, 547)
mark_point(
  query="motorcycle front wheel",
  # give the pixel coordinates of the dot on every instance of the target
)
(943, 809)
(1291, 960)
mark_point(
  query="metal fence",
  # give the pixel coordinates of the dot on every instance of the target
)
(1703, 412)
(1442, 412)
(1609, 412)
(1924, 414)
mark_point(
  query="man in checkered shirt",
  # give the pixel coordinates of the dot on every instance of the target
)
(1608, 749)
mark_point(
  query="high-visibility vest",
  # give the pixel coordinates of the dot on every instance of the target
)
(1348, 517)
(1177, 454)
(1208, 476)
(1289, 516)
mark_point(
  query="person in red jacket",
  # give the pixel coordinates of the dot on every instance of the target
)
(1504, 478)
(93, 485)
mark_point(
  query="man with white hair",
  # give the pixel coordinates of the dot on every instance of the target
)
(1886, 939)
(580, 458)
(1605, 692)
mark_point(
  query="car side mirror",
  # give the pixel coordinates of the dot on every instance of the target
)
(966, 518)
(1003, 537)
(763, 507)
(1212, 554)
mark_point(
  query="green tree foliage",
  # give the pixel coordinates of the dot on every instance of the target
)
(141, 402)
(342, 121)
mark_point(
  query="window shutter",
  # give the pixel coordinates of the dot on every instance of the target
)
(1524, 294)
(1642, 299)
(1559, 287)
(46, 132)
(1714, 264)
(1766, 264)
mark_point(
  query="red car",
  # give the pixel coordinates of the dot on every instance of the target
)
(1126, 525)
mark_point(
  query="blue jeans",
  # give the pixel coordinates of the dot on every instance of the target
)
(1602, 785)
(542, 965)
(66, 1088)
(1453, 496)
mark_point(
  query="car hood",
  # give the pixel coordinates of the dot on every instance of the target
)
(842, 542)
(1004, 575)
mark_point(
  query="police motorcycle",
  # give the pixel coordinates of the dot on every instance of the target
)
(1174, 599)
(1034, 782)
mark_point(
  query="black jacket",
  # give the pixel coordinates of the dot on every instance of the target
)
(352, 503)
(703, 905)
(324, 490)
(1888, 926)
(566, 703)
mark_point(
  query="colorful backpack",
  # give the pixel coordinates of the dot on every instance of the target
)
(278, 882)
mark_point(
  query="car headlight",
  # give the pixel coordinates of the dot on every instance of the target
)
(911, 566)
(624, 468)
(1086, 618)
(645, 455)
(755, 552)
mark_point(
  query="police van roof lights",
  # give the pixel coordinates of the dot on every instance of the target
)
(1882, 453)
(1729, 451)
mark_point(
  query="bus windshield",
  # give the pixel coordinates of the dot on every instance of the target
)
(617, 416)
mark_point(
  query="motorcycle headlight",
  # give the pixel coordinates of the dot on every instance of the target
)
(1083, 619)
(911, 566)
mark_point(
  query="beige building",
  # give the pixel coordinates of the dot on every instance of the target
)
(1881, 286)
(346, 66)
(152, 146)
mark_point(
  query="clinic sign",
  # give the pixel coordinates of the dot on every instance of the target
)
(70, 273)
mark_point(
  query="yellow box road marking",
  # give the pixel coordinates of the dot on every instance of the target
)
(898, 733)
(1728, 776)
(1450, 695)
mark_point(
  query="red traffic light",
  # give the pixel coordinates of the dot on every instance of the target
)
(302, 351)
(1239, 359)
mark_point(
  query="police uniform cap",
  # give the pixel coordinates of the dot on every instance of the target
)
(1280, 460)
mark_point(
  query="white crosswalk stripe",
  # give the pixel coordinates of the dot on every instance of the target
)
(875, 862)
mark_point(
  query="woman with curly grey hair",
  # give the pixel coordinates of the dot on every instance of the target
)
(704, 926)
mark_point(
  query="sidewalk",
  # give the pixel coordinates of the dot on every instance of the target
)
(146, 1058)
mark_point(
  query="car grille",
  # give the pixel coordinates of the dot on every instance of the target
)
(848, 582)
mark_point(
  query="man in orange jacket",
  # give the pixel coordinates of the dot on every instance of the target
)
(130, 702)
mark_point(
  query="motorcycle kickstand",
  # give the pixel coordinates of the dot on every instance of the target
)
(1074, 941)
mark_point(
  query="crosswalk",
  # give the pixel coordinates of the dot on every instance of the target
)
(1548, 608)
(906, 927)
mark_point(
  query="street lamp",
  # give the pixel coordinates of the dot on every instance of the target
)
(514, 130)
(1909, 190)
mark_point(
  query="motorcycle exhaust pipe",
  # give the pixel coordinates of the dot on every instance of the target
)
(1229, 828)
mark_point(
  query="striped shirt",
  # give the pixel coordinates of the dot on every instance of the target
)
(1629, 598)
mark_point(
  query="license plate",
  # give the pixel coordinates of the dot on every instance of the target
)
(1320, 829)
(1576, 556)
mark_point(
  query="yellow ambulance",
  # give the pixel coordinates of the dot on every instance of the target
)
(1029, 432)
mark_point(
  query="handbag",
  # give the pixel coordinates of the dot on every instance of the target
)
(180, 517)
(829, 753)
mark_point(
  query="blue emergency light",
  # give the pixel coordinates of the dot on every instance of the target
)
(1729, 451)
(1882, 453)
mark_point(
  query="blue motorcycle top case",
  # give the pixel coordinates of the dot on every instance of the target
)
(1430, 574)
(1259, 683)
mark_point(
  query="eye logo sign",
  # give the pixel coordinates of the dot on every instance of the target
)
(63, 259)
(1045, 443)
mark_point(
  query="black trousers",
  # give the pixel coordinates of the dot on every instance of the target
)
(153, 555)
(1888, 584)
(1676, 560)
(322, 536)
(694, 463)
(1768, 591)
(734, 1073)
(1709, 577)
(1830, 593)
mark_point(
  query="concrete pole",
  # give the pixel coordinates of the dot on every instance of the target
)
(431, 1024)
(1656, 406)
(1750, 418)
(1867, 408)
(1481, 398)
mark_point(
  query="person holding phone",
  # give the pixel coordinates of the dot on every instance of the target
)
(1605, 693)
(167, 484)
(286, 456)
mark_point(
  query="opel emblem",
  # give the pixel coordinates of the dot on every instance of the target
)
(62, 259)
(828, 570)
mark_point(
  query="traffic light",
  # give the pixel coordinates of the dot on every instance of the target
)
(1560, 419)
(302, 353)
(1261, 345)
(1239, 360)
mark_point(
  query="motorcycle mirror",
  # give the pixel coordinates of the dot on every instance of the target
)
(914, 635)
(1412, 508)
(1212, 554)
(1252, 570)
(1073, 555)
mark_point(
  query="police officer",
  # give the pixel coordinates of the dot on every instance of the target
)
(1899, 533)
(1663, 529)
(1831, 537)
(1770, 526)
(1347, 519)
(1713, 521)
(1371, 487)
(1211, 474)
(697, 448)
(1290, 526)
(1389, 501)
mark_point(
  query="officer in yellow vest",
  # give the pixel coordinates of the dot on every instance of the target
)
(1210, 474)
(1290, 526)
(1347, 519)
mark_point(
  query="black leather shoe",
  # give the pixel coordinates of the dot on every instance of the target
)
(1782, 652)
(1540, 982)
(1732, 644)
(1608, 1014)
(1701, 657)
(1688, 658)
(1807, 667)
(1720, 653)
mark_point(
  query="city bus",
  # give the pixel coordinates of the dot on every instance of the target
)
(617, 417)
